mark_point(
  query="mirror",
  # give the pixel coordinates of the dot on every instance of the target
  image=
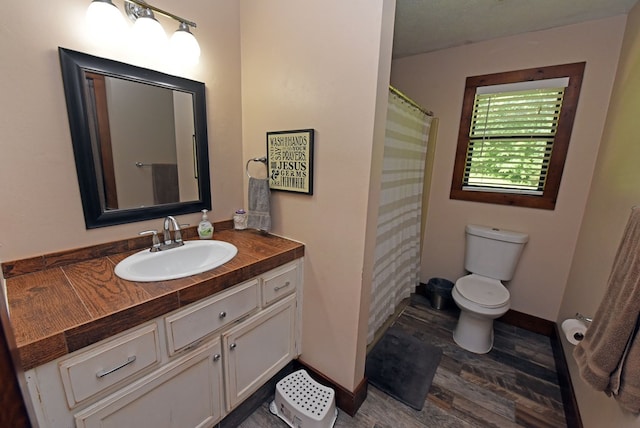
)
(139, 140)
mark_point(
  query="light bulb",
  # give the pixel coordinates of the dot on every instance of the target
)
(149, 36)
(104, 20)
(184, 47)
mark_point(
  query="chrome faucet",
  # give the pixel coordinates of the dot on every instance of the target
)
(168, 243)
(156, 241)
(177, 236)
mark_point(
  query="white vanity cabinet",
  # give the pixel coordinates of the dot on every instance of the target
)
(189, 325)
(257, 349)
(93, 370)
(188, 368)
(183, 393)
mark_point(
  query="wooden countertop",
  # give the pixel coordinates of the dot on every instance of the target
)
(62, 302)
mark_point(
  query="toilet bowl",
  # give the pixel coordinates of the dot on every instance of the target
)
(491, 256)
(481, 300)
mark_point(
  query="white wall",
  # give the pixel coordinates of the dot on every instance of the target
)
(183, 119)
(41, 207)
(437, 80)
(615, 189)
(323, 65)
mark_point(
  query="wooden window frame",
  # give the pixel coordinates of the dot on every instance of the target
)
(549, 196)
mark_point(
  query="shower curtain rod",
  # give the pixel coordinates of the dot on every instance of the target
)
(410, 101)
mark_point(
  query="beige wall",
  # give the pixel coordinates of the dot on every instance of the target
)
(322, 66)
(436, 80)
(41, 208)
(316, 65)
(131, 105)
(615, 189)
(183, 119)
(325, 67)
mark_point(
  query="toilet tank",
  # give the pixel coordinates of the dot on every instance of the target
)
(493, 252)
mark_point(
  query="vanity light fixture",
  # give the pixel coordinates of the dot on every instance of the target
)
(148, 33)
(183, 45)
(104, 19)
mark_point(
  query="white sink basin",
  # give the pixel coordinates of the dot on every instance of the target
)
(191, 258)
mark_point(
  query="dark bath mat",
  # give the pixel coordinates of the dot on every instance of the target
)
(403, 367)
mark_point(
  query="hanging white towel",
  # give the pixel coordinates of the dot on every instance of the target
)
(259, 204)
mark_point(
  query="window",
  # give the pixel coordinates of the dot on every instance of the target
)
(514, 135)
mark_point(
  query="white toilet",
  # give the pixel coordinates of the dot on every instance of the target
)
(491, 256)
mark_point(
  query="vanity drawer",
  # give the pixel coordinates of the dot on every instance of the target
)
(106, 364)
(279, 283)
(200, 319)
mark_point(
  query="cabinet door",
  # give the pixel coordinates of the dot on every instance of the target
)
(257, 349)
(183, 394)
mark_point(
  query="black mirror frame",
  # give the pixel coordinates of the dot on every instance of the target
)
(73, 65)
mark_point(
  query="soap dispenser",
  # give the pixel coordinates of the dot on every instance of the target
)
(205, 228)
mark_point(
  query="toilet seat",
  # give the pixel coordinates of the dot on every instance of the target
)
(483, 291)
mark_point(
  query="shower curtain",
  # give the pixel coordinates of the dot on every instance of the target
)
(397, 253)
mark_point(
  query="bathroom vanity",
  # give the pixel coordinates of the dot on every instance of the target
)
(180, 353)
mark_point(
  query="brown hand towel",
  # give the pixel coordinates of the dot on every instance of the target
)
(609, 355)
(164, 178)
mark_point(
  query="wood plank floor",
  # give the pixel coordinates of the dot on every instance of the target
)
(514, 385)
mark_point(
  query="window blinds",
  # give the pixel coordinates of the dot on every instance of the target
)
(511, 139)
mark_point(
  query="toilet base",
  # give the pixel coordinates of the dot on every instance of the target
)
(474, 333)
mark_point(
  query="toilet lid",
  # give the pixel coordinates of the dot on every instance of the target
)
(486, 292)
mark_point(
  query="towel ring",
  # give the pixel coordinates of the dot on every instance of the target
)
(263, 159)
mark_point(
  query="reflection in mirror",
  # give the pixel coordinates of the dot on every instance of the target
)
(128, 116)
(139, 138)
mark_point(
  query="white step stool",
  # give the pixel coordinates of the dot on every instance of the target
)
(303, 403)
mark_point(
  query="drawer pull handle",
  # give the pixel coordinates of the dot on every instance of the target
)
(216, 357)
(222, 314)
(232, 346)
(103, 373)
(193, 345)
(280, 287)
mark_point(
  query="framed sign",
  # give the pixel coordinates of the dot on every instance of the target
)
(290, 160)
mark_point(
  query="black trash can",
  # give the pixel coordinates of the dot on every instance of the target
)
(439, 293)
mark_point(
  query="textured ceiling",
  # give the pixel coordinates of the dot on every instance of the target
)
(428, 25)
